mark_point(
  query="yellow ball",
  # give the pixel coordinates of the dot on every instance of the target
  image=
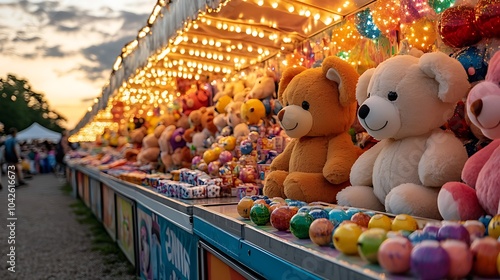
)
(244, 206)
(404, 222)
(380, 221)
(494, 227)
(345, 238)
(209, 156)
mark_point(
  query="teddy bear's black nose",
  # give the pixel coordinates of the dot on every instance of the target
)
(476, 107)
(363, 111)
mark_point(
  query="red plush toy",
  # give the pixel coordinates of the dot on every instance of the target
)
(480, 191)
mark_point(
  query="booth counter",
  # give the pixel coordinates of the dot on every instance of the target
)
(169, 238)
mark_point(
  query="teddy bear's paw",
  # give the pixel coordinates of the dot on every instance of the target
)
(310, 187)
(273, 186)
(359, 196)
(457, 201)
(413, 200)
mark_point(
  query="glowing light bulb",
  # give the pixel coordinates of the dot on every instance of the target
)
(260, 2)
(274, 5)
(291, 9)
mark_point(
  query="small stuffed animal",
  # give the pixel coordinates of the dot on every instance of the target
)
(320, 108)
(403, 103)
(194, 99)
(265, 90)
(480, 191)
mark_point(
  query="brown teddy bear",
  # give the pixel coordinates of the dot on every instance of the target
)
(320, 107)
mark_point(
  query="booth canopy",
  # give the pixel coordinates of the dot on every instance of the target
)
(197, 38)
(38, 132)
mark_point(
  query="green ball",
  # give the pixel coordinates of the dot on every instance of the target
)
(259, 214)
(299, 225)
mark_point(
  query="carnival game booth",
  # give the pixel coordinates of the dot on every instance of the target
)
(181, 192)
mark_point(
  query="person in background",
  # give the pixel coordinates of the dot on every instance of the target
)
(62, 148)
(12, 155)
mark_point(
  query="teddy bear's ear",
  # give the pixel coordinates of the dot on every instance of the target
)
(341, 72)
(287, 76)
(362, 86)
(448, 72)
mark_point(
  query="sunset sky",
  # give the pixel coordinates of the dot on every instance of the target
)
(65, 49)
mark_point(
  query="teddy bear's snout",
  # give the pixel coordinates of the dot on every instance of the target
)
(281, 113)
(363, 111)
(476, 107)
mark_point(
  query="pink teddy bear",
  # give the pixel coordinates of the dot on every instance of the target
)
(479, 193)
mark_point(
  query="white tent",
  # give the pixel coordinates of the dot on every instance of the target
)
(38, 132)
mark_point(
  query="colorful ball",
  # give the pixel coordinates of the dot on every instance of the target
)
(281, 216)
(318, 213)
(394, 255)
(225, 156)
(369, 242)
(244, 206)
(345, 238)
(259, 214)
(485, 251)
(404, 222)
(494, 227)
(337, 216)
(362, 219)
(320, 232)
(473, 61)
(430, 261)
(380, 221)
(460, 258)
(299, 225)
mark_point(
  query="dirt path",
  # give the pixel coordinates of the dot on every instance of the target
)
(50, 243)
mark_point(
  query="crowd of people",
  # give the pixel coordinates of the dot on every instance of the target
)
(32, 157)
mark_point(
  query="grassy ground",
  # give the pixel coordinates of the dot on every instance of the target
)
(101, 241)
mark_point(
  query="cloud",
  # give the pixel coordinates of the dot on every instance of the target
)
(104, 54)
(54, 52)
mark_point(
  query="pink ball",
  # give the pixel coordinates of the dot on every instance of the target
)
(460, 258)
(225, 156)
(394, 255)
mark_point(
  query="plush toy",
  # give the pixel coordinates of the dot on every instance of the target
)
(150, 150)
(265, 90)
(403, 103)
(175, 156)
(137, 135)
(194, 99)
(194, 124)
(320, 108)
(253, 111)
(234, 121)
(480, 191)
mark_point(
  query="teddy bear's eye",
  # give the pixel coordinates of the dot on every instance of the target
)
(305, 105)
(392, 96)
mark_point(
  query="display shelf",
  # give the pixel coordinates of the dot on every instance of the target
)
(177, 211)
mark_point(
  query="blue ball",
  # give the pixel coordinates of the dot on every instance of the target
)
(337, 216)
(419, 236)
(318, 213)
(365, 25)
(305, 209)
(351, 211)
(486, 221)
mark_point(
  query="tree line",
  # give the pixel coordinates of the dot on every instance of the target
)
(20, 107)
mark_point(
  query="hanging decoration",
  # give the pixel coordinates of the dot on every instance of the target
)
(440, 5)
(345, 36)
(488, 17)
(457, 28)
(472, 59)
(386, 15)
(365, 25)
(360, 56)
(421, 34)
(413, 10)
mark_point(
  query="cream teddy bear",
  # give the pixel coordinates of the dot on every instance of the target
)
(403, 103)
